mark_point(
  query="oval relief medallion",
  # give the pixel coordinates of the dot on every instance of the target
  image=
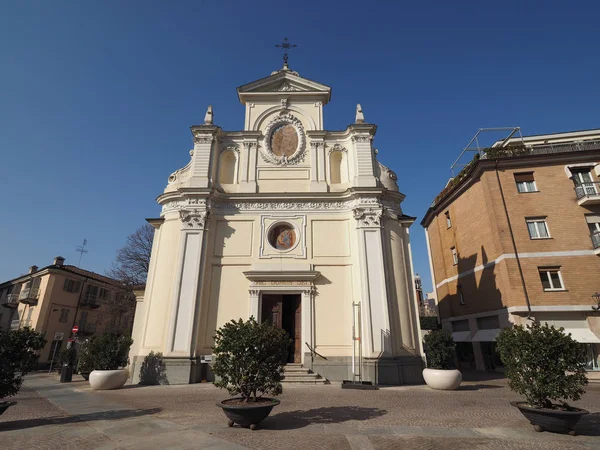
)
(284, 140)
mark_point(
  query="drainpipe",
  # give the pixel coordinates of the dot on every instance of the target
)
(512, 237)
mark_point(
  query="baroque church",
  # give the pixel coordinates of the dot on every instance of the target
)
(289, 223)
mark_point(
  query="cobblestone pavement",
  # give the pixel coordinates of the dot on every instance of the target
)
(478, 416)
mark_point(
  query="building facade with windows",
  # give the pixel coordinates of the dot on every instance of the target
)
(516, 237)
(52, 299)
(289, 223)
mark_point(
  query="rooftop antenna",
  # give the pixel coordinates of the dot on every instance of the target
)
(285, 46)
(81, 250)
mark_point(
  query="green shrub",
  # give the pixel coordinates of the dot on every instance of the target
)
(250, 358)
(153, 370)
(440, 350)
(105, 352)
(542, 364)
(18, 355)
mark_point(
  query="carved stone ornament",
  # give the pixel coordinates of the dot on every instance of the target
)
(282, 134)
(203, 138)
(362, 138)
(193, 218)
(254, 292)
(368, 217)
(286, 87)
(336, 148)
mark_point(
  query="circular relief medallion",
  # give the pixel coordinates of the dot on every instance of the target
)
(284, 140)
(282, 236)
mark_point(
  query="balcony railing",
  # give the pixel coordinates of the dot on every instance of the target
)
(29, 296)
(589, 189)
(565, 147)
(596, 239)
(12, 301)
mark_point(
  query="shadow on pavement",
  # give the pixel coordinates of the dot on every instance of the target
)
(477, 387)
(106, 415)
(474, 375)
(336, 414)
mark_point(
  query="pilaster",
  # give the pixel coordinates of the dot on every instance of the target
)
(374, 305)
(248, 178)
(204, 137)
(364, 173)
(186, 304)
(318, 182)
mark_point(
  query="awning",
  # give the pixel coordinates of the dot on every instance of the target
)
(486, 335)
(461, 336)
(583, 335)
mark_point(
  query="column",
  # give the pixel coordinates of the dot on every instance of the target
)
(186, 307)
(307, 320)
(254, 304)
(374, 302)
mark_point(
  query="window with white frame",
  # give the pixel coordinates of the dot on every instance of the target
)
(448, 221)
(551, 279)
(454, 256)
(537, 227)
(525, 182)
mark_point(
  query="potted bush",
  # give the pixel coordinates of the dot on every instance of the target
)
(107, 357)
(249, 360)
(543, 364)
(18, 355)
(441, 372)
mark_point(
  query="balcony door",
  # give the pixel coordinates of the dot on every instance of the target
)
(583, 178)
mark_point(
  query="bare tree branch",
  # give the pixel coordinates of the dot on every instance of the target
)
(133, 260)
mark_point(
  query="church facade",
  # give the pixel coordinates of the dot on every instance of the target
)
(285, 222)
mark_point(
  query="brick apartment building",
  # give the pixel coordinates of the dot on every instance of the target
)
(52, 299)
(516, 237)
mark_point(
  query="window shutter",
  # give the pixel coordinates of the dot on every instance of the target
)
(524, 177)
(77, 286)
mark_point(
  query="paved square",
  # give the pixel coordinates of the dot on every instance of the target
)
(478, 416)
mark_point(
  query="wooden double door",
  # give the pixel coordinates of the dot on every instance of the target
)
(284, 311)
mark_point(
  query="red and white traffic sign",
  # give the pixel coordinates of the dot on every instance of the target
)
(75, 329)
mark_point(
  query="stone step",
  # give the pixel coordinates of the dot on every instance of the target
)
(296, 369)
(299, 374)
(304, 380)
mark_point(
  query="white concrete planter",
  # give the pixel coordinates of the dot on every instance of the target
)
(108, 379)
(442, 379)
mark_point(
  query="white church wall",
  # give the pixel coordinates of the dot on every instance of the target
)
(333, 310)
(330, 238)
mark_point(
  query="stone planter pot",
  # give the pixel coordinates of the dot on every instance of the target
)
(248, 415)
(5, 405)
(550, 419)
(108, 379)
(442, 379)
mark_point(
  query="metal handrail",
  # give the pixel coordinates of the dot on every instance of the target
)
(89, 299)
(587, 189)
(314, 352)
(596, 239)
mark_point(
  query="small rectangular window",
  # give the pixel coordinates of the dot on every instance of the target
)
(538, 228)
(551, 279)
(448, 221)
(454, 256)
(64, 315)
(525, 182)
(71, 285)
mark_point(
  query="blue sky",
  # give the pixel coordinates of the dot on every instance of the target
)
(96, 97)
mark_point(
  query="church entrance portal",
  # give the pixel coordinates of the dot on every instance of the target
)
(284, 311)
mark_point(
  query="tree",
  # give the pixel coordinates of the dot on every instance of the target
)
(18, 354)
(133, 259)
(542, 364)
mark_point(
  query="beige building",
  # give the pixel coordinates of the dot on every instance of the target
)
(53, 299)
(516, 237)
(290, 223)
